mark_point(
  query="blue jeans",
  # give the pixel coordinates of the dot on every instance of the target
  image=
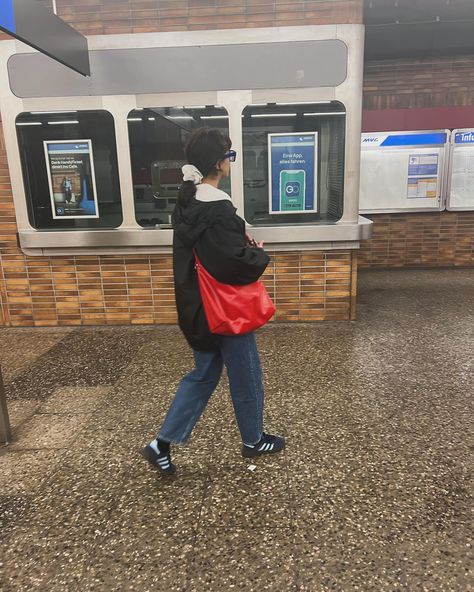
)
(240, 356)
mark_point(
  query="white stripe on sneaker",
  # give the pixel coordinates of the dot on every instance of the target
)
(271, 447)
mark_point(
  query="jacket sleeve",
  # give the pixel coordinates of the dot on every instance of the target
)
(224, 252)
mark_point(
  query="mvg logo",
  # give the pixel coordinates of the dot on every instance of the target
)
(365, 140)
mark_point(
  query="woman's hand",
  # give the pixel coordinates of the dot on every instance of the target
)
(252, 242)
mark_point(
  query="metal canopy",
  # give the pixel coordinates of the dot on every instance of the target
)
(34, 24)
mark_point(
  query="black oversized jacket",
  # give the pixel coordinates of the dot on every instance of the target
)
(218, 235)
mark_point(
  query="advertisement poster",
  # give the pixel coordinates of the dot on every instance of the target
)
(292, 171)
(462, 179)
(70, 166)
(422, 176)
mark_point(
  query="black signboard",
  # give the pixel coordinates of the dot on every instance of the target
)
(34, 24)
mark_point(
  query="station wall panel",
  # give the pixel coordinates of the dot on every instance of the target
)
(395, 90)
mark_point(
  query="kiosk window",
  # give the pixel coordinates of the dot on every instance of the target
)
(293, 163)
(157, 139)
(70, 171)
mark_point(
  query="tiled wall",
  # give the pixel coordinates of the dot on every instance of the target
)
(7, 225)
(419, 83)
(306, 286)
(94, 17)
(434, 239)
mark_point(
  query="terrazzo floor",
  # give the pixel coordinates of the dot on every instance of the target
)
(373, 493)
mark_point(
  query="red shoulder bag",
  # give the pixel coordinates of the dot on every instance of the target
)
(233, 310)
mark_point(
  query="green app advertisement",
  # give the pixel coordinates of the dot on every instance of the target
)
(292, 190)
(293, 173)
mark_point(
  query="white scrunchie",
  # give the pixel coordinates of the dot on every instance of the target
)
(191, 173)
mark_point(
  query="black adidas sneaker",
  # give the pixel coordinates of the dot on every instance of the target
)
(268, 445)
(161, 460)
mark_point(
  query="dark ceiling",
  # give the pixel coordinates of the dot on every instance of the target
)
(418, 28)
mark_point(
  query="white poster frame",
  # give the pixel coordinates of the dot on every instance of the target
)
(50, 180)
(450, 205)
(412, 204)
(315, 174)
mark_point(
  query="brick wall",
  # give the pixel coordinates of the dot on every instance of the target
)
(432, 239)
(419, 83)
(7, 224)
(420, 239)
(96, 17)
(121, 290)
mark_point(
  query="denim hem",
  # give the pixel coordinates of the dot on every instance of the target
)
(174, 442)
(248, 444)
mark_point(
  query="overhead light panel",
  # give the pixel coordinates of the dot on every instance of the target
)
(29, 123)
(274, 115)
(62, 122)
(306, 103)
(50, 112)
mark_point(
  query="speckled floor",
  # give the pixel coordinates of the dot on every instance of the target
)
(373, 493)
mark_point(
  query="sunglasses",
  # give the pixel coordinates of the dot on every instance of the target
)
(231, 155)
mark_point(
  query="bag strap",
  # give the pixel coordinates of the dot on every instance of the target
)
(197, 262)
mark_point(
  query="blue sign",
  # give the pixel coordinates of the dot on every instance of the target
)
(464, 137)
(415, 139)
(422, 164)
(293, 170)
(65, 147)
(7, 15)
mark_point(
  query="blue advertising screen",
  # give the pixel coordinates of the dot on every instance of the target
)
(292, 173)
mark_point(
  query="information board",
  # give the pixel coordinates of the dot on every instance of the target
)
(293, 171)
(71, 178)
(461, 192)
(402, 171)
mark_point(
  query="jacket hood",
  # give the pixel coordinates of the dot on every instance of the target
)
(191, 221)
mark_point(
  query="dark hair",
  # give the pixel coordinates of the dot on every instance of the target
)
(204, 148)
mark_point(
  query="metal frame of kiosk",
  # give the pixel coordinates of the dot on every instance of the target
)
(118, 84)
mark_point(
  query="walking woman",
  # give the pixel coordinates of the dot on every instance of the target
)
(206, 220)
